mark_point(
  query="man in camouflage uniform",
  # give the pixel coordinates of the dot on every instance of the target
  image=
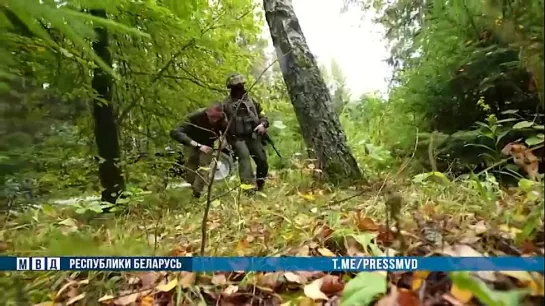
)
(198, 133)
(247, 126)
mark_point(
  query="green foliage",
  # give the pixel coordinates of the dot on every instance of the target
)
(168, 58)
(465, 281)
(363, 289)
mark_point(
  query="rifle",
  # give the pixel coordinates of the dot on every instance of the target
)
(267, 139)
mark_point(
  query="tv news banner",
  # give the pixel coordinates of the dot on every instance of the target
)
(271, 264)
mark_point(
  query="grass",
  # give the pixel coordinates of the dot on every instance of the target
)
(292, 212)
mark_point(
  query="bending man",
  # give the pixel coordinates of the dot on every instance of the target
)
(198, 133)
(247, 126)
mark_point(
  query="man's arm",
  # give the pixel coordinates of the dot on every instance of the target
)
(262, 118)
(180, 133)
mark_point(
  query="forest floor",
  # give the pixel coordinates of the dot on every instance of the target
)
(291, 217)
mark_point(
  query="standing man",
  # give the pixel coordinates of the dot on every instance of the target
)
(198, 133)
(248, 125)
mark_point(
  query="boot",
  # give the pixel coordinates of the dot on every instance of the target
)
(260, 183)
(196, 194)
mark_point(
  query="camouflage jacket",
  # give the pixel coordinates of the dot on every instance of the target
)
(249, 115)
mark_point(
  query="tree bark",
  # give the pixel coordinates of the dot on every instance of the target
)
(106, 136)
(309, 95)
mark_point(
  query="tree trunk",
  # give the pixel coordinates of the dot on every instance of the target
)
(309, 95)
(106, 136)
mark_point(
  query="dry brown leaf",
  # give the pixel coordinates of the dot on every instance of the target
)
(63, 288)
(126, 298)
(305, 276)
(133, 280)
(331, 284)
(390, 299)
(313, 291)
(219, 279)
(365, 223)
(148, 279)
(292, 277)
(242, 247)
(187, 279)
(461, 250)
(326, 252)
(303, 251)
(449, 298)
(269, 280)
(407, 298)
(461, 295)
(479, 228)
(147, 301)
(418, 279)
(524, 158)
(107, 298)
(75, 299)
(230, 289)
(168, 286)
(535, 282)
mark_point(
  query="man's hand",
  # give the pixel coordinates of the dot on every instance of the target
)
(260, 129)
(205, 149)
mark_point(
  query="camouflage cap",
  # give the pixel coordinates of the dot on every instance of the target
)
(234, 79)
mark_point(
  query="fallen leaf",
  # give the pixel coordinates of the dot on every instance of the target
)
(479, 228)
(461, 250)
(63, 288)
(449, 298)
(418, 279)
(292, 277)
(246, 186)
(230, 289)
(187, 279)
(219, 279)
(147, 301)
(133, 280)
(69, 222)
(390, 299)
(331, 284)
(313, 291)
(509, 232)
(306, 196)
(362, 289)
(365, 223)
(461, 295)
(303, 251)
(326, 252)
(269, 280)
(49, 303)
(148, 279)
(75, 299)
(106, 298)
(535, 283)
(242, 247)
(168, 286)
(407, 298)
(126, 298)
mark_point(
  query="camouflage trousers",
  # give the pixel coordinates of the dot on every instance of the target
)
(244, 148)
(198, 178)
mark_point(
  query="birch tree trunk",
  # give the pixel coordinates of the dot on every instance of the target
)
(309, 95)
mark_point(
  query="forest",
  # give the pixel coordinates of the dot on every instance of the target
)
(448, 163)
